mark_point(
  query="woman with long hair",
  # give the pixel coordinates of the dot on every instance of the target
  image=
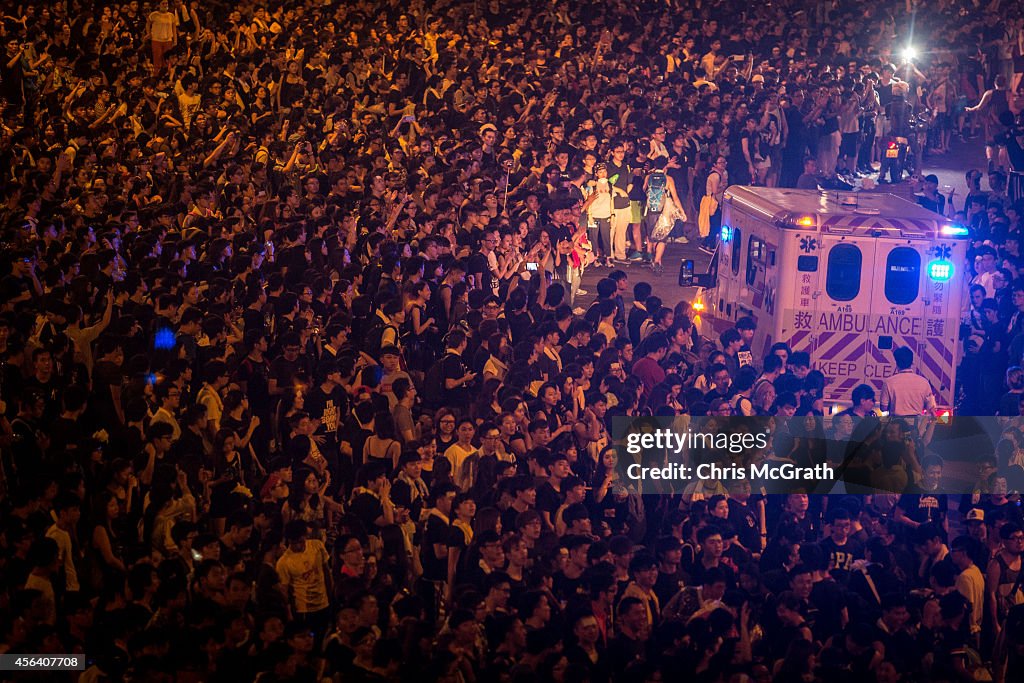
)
(764, 398)
(606, 475)
(445, 437)
(420, 329)
(169, 501)
(291, 403)
(513, 442)
(446, 295)
(498, 357)
(517, 312)
(109, 560)
(238, 418)
(572, 403)
(383, 445)
(486, 408)
(305, 499)
(227, 477)
(812, 443)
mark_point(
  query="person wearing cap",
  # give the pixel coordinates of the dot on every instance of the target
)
(974, 520)
(929, 196)
(969, 582)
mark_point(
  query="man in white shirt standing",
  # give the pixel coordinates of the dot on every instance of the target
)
(906, 392)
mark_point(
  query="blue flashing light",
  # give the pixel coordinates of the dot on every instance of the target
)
(940, 271)
(726, 233)
(164, 339)
(954, 231)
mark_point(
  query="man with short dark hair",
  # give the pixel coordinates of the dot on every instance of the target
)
(969, 581)
(923, 503)
(629, 646)
(808, 180)
(304, 572)
(863, 399)
(906, 393)
(841, 549)
(731, 342)
(648, 369)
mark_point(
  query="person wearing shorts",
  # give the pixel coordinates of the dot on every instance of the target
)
(658, 203)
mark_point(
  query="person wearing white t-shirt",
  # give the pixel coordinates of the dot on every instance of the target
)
(599, 212)
(906, 392)
(162, 30)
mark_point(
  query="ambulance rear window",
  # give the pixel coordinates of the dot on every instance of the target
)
(737, 243)
(755, 257)
(807, 264)
(842, 281)
(902, 275)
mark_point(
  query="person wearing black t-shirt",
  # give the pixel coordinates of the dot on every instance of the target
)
(455, 374)
(841, 550)
(327, 403)
(922, 504)
(744, 516)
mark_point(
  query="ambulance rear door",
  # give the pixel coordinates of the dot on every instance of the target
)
(899, 316)
(936, 354)
(801, 254)
(842, 311)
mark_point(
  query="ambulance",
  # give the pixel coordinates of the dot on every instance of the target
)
(846, 277)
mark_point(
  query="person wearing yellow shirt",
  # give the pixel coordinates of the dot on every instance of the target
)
(303, 572)
(462, 448)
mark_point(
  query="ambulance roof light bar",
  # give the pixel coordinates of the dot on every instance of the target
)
(912, 233)
(838, 229)
(951, 230)
(791, 220)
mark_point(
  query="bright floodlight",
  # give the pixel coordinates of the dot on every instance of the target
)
(909, 53)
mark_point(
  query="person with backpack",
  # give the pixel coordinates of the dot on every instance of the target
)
(384, 329)
(448, 380)
(744, 386)
(710, 219)
(661, 196)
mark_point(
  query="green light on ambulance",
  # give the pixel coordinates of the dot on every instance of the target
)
(940, 270)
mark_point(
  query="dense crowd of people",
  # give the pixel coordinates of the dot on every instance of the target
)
(297, 380)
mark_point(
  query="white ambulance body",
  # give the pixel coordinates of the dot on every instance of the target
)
(845, 277)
